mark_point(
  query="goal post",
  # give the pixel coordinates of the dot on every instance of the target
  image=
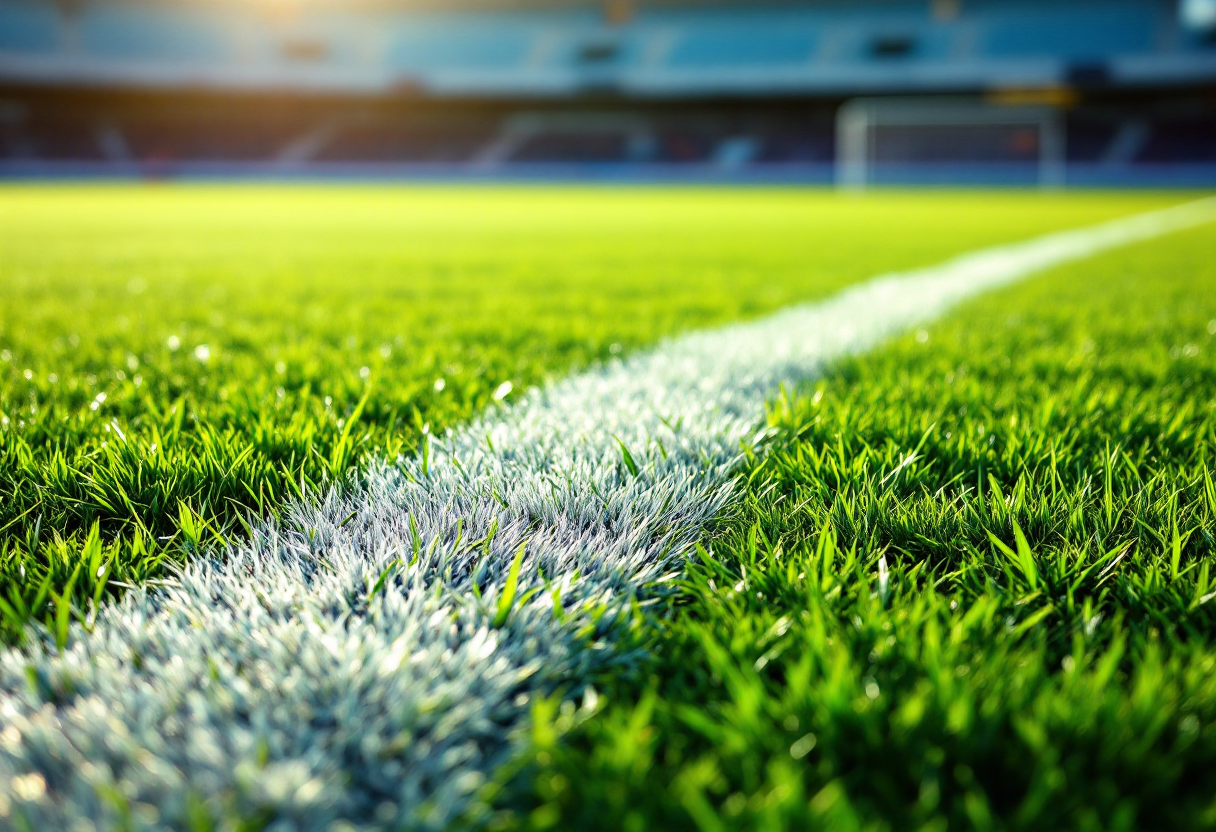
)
(917, 140)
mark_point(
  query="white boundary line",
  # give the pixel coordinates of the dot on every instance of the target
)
(344, 664)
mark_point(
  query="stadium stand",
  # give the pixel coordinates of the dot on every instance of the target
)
(1072, 33)
(718, 86)
(134, 33)
(28, 27)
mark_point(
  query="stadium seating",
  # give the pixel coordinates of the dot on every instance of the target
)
(1090, 30)
(137, 32)
(885, 43)
(460, 42)
(726, 45)
(812, 50)
(28, 27)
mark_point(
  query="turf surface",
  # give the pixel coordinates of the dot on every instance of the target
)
(177, 361)
(971, 588)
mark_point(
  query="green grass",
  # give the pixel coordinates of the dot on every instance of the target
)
(971, 587)
(175, 361)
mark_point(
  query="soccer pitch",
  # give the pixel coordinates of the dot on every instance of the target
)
(963, 580)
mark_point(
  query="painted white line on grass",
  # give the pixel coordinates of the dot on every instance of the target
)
(372, 658)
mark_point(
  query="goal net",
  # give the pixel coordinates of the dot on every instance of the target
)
(926, 140)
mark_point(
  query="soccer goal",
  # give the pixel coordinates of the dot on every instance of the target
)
(928, 140)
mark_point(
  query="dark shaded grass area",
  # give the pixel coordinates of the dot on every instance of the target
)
(970, 588)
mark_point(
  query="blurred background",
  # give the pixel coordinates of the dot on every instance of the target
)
(1048, 92)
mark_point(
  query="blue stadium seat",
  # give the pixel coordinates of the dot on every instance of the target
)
(1089, 30)
(28, 27)
(129, 31)
(475, 43)
(732, 46)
